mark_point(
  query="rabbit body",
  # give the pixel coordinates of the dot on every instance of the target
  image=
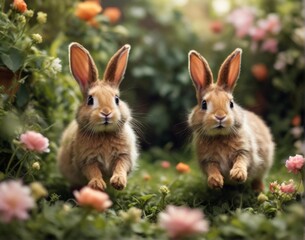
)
(100, 144)
(232, 144)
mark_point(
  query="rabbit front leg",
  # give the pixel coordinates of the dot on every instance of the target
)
(93, 173)
(215, 179)
(121, 167)
(239, 170)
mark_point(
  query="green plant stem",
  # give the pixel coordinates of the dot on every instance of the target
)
(19, 162)
(11, 160)
(19, 169)
(3, 5)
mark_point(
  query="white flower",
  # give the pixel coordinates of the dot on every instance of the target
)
(56, 65)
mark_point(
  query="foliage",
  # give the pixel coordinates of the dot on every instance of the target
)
(234, 212)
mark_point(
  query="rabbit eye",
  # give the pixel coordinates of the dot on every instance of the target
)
(231, 104)
(204, 105)
(117, 100)
(90, 100)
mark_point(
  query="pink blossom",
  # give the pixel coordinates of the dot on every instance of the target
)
(295, 164)
(288, 188)
(35, 141)
(92, 198)
(182, 221)
(270, 45)
(272, 24)
(242, 19)
(15, 201)
(165, 164)
(257, 33)
(273, 187)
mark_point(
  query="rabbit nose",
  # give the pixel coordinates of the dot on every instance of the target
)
(220, 118)
(106, 113)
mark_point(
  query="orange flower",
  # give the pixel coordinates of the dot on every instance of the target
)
(296, 120)
(87, 10)
(260, 71)
(113, 14)
(146, 177)
(183, 168)
(20, 5)
(93, 23)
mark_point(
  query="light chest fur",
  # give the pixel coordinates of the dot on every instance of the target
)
(248, 141)
(104, 148)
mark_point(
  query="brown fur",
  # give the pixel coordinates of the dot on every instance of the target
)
(242, 149)
(92, 151)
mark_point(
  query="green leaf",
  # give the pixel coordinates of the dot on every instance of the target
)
(13, 59)
(23, 96)
(147, 197)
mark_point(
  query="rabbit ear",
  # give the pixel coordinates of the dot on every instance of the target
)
(116, 67)
(82, 66)
(229, 70)
(199, 70)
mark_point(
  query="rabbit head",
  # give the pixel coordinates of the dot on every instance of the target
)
(101, 109)
(216, 113)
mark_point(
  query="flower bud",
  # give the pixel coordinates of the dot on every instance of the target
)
(164, 190)
(41, 17)
(29, 13)
(262, 198)
(37, 38)
(21, 19)
(36, 166)
(133, 215)
(38, 191)
(66, 207)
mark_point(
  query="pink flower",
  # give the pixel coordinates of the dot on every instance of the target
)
(288, 188)
(257, 33)
(92, 198)
(15, 201)
(272, 24)
(295, 164)
(182, 221)
(273, 187)
(165, 164)
(35, 141)
(242, 20)
(270, 45)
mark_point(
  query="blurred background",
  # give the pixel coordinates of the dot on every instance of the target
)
(157, 85)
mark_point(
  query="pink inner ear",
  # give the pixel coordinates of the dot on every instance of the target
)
(234, 70)
(121, 67)
(197, 70)
(80, 66)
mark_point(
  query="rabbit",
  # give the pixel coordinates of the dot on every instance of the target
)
(232, 144)
(101, 143)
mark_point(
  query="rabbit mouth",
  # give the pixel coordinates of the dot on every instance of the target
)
(220, 127)
(106, 123)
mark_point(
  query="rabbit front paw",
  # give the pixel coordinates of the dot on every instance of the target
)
(238, 174)
(97, 184)
(119, 182)
(215, 181)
